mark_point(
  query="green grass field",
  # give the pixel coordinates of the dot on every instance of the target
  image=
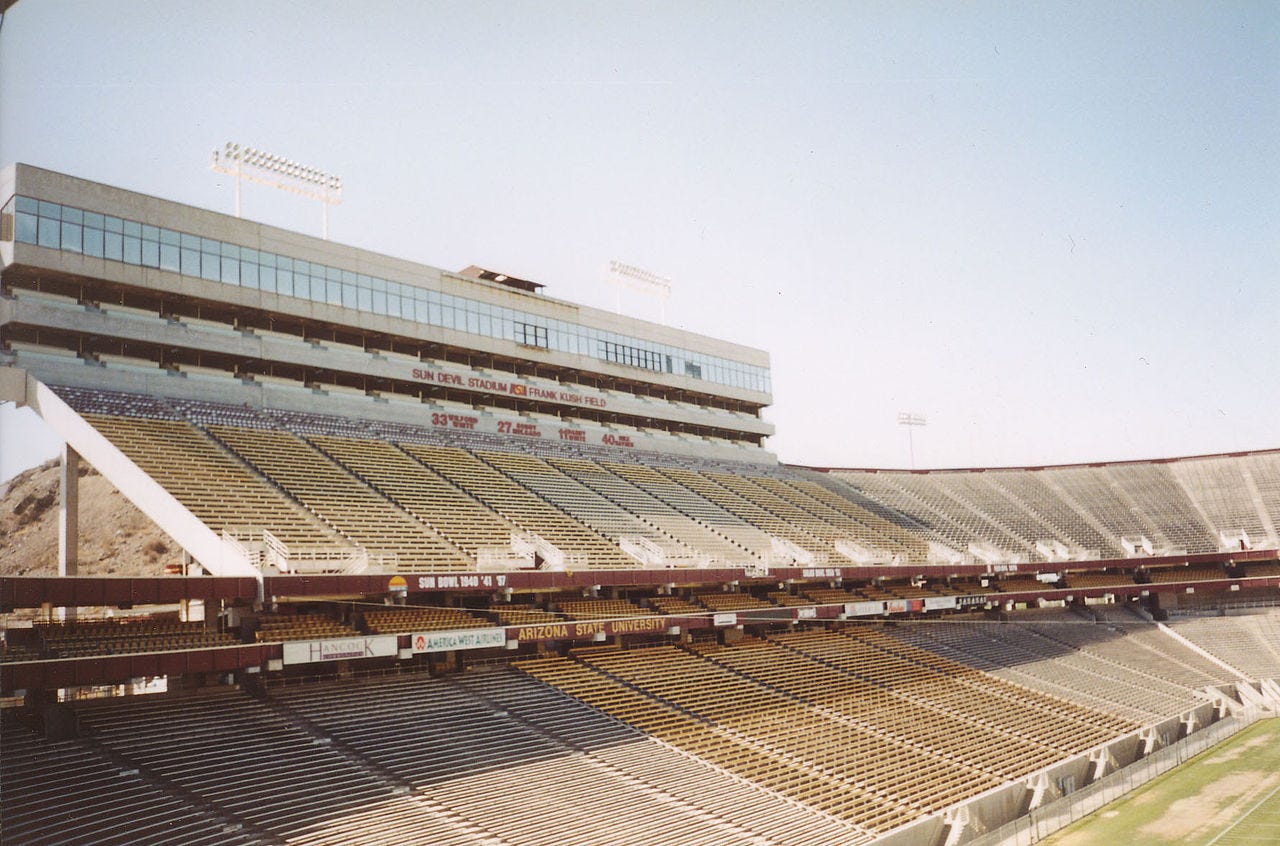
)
(1227, 796)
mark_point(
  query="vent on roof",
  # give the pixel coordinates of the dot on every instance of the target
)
(501, 278)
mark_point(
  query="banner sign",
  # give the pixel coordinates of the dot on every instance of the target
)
(590, 628)
(311, 651)
(901, 606)
(970, 601)
(806, 613)
(935, 603)
(448, 641)
(725, 619)
(864, 609)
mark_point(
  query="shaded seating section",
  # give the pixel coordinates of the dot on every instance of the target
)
(529, 765)
(212, 483)
(600, 609)
(71, 791)
(391, 620)
(520, 506)
(115, 637)
(676, 605)
(717, 601)
(1095, 579)
(518, 614)
(278, 627)
(351, 507)
(224, 750)
(1202, 573)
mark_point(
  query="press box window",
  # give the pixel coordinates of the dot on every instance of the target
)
(530, 335)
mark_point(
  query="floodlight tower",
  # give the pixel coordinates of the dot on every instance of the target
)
(277, 172)
(622, 275)
(911, 421)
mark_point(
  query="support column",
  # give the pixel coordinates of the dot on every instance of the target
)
(69, 513)
(69, 521)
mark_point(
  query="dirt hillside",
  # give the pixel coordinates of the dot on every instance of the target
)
(115, 537)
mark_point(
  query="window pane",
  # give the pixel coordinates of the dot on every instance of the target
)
(150, 233)
(393, 305)
(70, 215)
(364, 299)
(133, 229)
(50, 233)
(379, 302)
(26, 204)
(189, 242)
(93, 242)
(93, 220)
(210, 267)
(230, 270)
(53, 211)
(349, 294)
(230, 251)
(151, 254)
(132, 249)
(168, 236)
(169, 258)
(114, 224)
(25, 225)
(190, 262)
(248, 274)
(333, 292)
(267, 278)
(72, 237)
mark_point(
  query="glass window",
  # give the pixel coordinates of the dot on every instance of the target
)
(70, 215)
(301, 285)
(230, 251)
(25, 226)
(26, 204)
(249, 255)
(364, 299)
(267, 259)
(132, 249)
(379, 302)
(433, 314)
(72, 237)
(113, 224)
(393, 304)
(133, 229)
(170, 258)
(333, 294)
(93, 242)
(190, 261)
(248, 274)
(210, 267)
(267, 278)
(230, 270)
(150, 254)
(50, 233)
(207, 245)
(348, 295)
(53, 211)
(93, 220)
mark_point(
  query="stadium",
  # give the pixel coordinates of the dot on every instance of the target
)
(466, 563)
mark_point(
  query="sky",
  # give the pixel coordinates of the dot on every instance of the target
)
(1051, 228)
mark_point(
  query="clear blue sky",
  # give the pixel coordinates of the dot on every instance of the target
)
(1054, 228)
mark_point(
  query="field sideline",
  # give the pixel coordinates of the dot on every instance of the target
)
(1226, 796)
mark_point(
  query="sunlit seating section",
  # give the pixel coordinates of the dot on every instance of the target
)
(875, 792)
(1198, 573)
(343, 501)
(849, 519)
(1023, 655)
(1020, 585)
(520, 506)
(1227, 493)
(888, 489)
(712, 487)
(69, 791)
(583, 503)
(1250, 643)
(235, 754)
(753, 544)
(420, 619)
(1036, 510)
(697, 536)
(832, 596)
(1156, 493)
(600, 609)
(1263, 569)
(117, 637)
(279, 627)
(216, 487)
(459, 518)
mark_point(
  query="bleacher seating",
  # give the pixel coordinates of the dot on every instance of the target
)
(118, 637)
(419, 619)
(281, 627)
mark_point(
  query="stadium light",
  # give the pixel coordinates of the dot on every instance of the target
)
(623, 275)
(911, 421)
(278, 172)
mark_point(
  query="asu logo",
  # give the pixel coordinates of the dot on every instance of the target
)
(420, 643)
(519, 390)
